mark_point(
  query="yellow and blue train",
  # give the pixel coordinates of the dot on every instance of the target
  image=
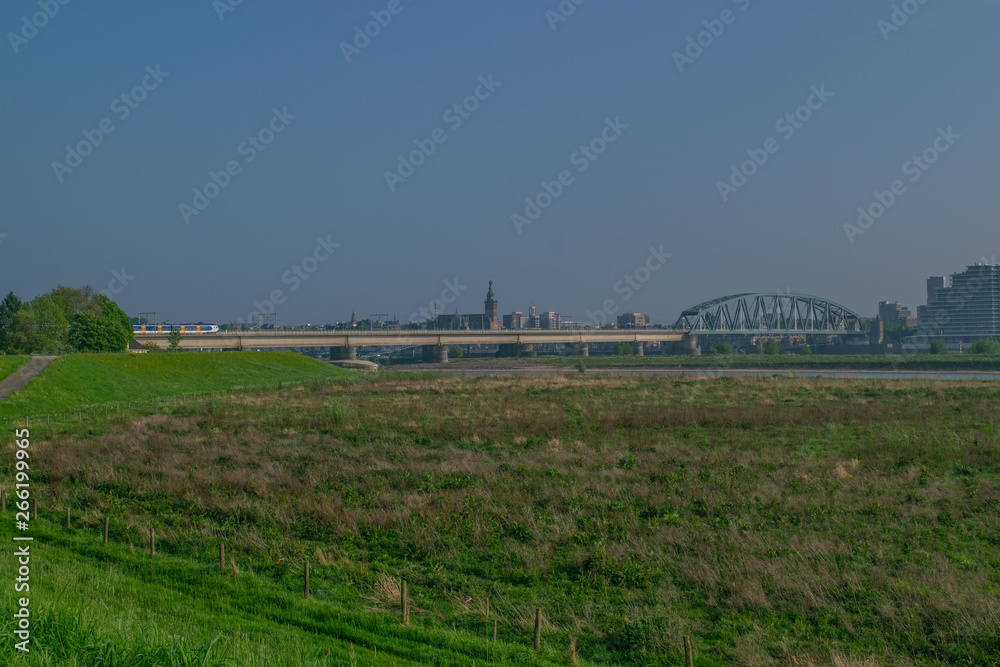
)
(167, 328)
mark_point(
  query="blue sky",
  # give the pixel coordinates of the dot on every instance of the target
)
(344, 125)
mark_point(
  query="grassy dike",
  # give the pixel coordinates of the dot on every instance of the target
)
(78, 380)
(847, 523)
(10, 363)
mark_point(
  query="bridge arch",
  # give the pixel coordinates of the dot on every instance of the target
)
(776, 313)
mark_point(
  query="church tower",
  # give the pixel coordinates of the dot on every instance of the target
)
(492, 320)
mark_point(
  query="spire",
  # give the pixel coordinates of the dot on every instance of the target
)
(489, 294)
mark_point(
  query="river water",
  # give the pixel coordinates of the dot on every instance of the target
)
(731, 372)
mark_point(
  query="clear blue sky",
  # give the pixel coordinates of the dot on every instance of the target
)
(323, 176)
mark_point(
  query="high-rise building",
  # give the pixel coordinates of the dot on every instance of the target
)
(532, 321)
(514, 320)
(633, 321)
(893, 312)
(933, 285)
(964, 308)
(548, 320)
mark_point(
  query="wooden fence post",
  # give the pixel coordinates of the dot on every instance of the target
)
(152, 542)
(107, 523)
(688, 652)
(222, 558)
(538, 629)
(402, 603)
(307, 580)
(67, 519)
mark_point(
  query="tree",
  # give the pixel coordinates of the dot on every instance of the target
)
(174, 339)
(769, 348)
(22, 336)
(806, 350)
(938, 347)
(985, 346)
(109, 331)
(8, 308)
(723, 348)
(51, 321)
(455, 352)
(623, 349)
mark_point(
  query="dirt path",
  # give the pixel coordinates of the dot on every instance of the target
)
(24, 375)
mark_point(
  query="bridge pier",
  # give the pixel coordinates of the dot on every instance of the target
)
(435, 354)
(688, 345)
(346, 353)
(516, 350)
(526, 350)
(638, 349)
(577, 350)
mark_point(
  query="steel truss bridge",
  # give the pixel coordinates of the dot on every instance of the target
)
(770, 313)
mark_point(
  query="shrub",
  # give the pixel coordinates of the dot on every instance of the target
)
(985, 346)
(937, 347)
(723, 348)
(340, 412)
(770, 348)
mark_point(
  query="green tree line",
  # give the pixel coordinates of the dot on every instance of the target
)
(66, 319)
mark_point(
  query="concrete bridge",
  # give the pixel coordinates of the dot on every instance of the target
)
(517, 342)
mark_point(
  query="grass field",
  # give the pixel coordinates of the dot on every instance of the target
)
(847, 523)
(10, 363)
(79, 380)
(911, 362)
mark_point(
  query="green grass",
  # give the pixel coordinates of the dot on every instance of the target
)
(848, 523)
(116, 605)
(909, 362)
(79, 380)
(10, 363)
